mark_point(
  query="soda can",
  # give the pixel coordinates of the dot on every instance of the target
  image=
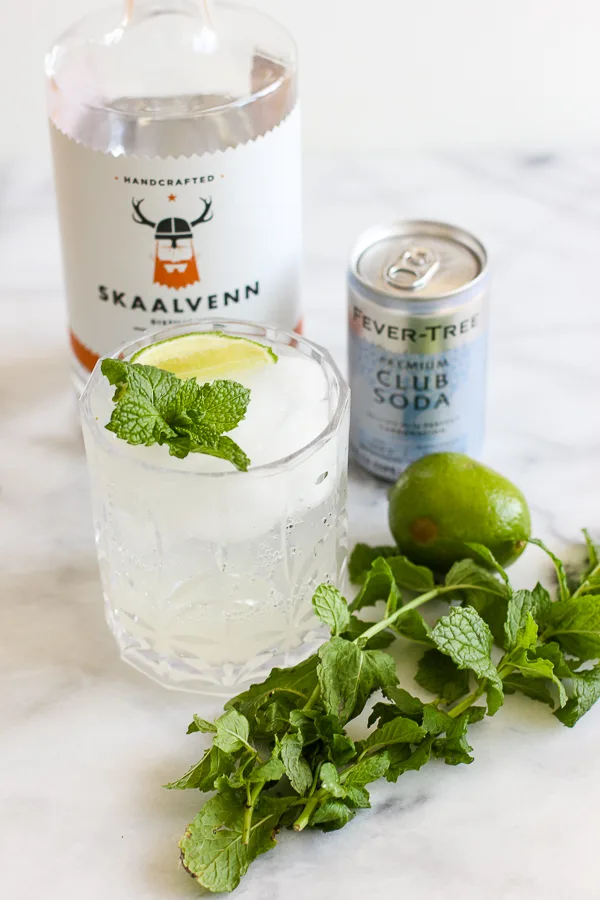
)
(418, 319)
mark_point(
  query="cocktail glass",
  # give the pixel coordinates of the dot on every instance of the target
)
(208, 574)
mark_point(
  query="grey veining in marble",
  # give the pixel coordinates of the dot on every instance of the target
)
(85, 742)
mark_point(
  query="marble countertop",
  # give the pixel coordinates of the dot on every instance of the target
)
(86, 742)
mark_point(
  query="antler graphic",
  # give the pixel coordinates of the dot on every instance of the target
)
(205, 217)
(138, 216)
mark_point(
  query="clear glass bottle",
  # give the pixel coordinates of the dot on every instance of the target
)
(176, 145)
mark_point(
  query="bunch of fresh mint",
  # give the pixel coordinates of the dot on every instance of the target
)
(156, 407)
(280, 754)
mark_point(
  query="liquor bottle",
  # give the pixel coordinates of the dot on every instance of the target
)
(176, 146)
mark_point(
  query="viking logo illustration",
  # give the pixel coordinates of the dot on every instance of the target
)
(174, 256)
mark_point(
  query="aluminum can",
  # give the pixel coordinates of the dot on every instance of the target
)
(418, 324)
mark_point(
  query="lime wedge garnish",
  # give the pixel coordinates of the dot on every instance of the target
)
(206, 355)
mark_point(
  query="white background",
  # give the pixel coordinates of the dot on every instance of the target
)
(436, 74)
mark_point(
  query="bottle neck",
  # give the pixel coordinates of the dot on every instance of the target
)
(135, 10)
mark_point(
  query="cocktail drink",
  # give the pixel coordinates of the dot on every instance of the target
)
(207, 571)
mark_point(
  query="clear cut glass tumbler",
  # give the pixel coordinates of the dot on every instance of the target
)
(208, 575)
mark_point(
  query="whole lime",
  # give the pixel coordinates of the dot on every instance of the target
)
(446, 500)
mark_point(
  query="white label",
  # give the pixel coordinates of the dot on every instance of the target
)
(150, 242)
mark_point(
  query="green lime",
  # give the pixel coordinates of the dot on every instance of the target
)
(445, 500)
(205, 355)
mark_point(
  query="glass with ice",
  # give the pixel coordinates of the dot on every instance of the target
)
(208, 572)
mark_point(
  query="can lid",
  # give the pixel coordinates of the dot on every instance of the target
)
(418, 260)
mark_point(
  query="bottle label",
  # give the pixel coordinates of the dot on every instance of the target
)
(417, 383)
(148, 242)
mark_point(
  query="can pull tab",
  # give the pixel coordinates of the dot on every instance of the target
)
(413, 269)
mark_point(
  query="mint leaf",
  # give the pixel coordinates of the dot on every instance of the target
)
(520, 659)
(584, 692)
(454, 748)
(156, 386)
(271, 770)
(221, 405)
(405, 703)
(410, 576)
(406, 573)
(200, 724)
(296, 768)
(379, 584)
(331, 780)
(290, 688)
(212, 849)
(440, 675)
(304, 722)
(202, 776)
(115, 371)
(563, 586)
(156, 407)
(466, 639)
(531, 661)
(533, 688)
(221, 446)
(589, 580)
(348, 676)
(362, 773)
(358, 798)
(401, 763)
(486, 554)
(522, 604)
(541, 604)
(232, 731)
(143, 395)
(378, 673)
(361, 559)
(337, 743)
(527, 636)
(488, 596)
(341, 749)
(413, 626)
(339, 675)
(273, 718)
(398, 731)
(485, 584)
(331, 608)
(435, 721)
(332, 815)
(552, 652)
(137, 421)
(575, 623)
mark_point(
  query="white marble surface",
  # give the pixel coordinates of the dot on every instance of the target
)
(85, 742)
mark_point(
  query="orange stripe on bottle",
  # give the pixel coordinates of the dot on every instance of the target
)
(86, 357)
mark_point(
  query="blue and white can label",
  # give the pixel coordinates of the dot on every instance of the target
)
(417, 377)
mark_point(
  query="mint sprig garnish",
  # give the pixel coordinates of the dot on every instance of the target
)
(156, 407)
(280, 755)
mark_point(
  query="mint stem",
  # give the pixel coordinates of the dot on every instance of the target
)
(304, 817)
(583, 586)
(470, 699)
(413, 604)
(312, 699)
(251, 798)
(466, 702)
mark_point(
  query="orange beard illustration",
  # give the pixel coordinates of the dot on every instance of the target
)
(175, 266)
